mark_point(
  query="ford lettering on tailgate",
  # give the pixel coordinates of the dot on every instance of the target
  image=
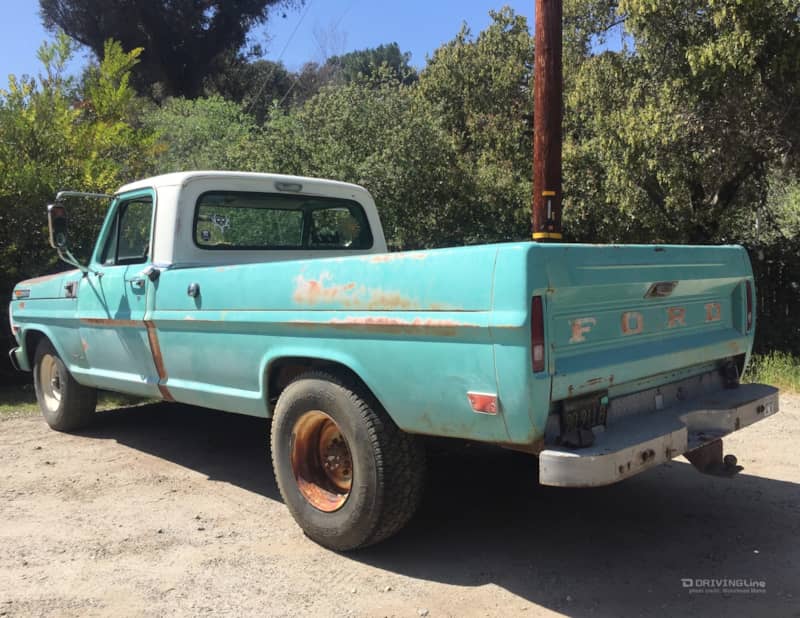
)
(635, 323)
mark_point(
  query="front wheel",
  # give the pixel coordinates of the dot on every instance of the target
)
(349, 476)
(65, 404)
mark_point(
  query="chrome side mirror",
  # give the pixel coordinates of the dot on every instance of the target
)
(57, 220)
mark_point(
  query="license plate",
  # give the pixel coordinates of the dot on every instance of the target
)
(584, 412)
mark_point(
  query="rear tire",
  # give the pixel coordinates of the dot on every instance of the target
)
(348, 475)
(65, 404)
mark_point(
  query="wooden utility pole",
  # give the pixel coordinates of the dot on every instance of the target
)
(547, 117)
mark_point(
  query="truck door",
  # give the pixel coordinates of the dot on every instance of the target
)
(112, 300)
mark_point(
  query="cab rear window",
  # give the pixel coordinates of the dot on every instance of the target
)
(249, 220)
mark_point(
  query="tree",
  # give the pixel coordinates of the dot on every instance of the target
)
(674, 137)
(482, 86)
(184, 41)
(57, 135)
(206, 133)
(365, 63)
(254, 85)
(372, 65)
(381, 135)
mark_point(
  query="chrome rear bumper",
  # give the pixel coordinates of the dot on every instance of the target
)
(637, 443)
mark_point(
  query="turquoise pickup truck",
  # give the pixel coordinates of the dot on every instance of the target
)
(275, 296)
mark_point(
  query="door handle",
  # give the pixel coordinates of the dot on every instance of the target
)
(152, 273)
(138, 282)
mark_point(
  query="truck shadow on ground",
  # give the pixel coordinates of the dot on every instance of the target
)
(485, 521)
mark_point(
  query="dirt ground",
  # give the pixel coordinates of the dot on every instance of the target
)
(170, 510)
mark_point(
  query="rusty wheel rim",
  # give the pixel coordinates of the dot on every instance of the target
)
(321, 461)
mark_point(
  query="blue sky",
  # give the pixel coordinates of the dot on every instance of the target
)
(321, 29)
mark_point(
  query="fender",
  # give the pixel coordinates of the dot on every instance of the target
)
(328, 356)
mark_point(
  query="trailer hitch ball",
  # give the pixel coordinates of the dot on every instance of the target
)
(708, 459)
(730, 461)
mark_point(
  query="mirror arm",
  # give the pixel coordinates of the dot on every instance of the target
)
(63, 253)
(62, 194)
(66, 256)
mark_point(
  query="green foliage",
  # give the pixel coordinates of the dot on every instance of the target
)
(254, 85)
(675, 137)
(482, 87)
(366, 63)
(378, 134)
(783, 205)
(448, 158)
(204, 133)
(55, 136)
(776, 368)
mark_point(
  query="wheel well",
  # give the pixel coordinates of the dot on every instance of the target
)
(282, 371)
(32, 339)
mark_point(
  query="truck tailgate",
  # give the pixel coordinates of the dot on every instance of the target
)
(618, 314)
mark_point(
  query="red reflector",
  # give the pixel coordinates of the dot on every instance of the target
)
(483, 402)
(537, 334)
(749, 288)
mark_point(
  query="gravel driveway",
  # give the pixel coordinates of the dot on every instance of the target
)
(170, 510)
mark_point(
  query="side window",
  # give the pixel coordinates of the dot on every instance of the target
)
(129, 239)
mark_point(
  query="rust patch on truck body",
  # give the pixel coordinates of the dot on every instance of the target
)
(158, 360)
(350, 294)
(152, 338)
(111, 323)
(379, 324)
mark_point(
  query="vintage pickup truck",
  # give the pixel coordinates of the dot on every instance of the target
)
(275, 296)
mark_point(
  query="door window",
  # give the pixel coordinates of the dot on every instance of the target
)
(129, 239)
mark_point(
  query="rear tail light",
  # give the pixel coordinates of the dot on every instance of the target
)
(537, 334)
(749, 317)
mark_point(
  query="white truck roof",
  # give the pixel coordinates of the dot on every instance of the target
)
(176, 199)
(180, 178)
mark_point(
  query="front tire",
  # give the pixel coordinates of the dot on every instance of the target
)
(65, 404)
(348, 475)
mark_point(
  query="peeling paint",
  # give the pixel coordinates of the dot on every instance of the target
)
(44, 278)
(376, 324)
(382, 321)
(395, 257)
(350, 294)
